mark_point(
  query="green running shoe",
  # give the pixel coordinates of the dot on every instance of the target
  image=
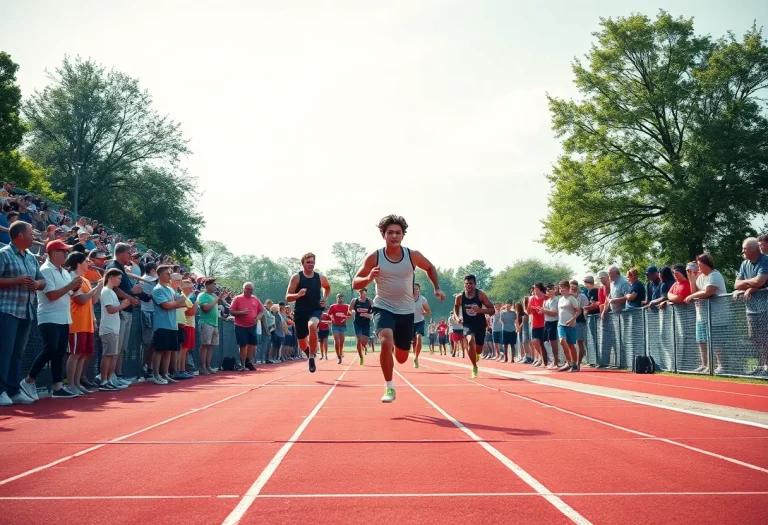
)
(361, 361)
(474, 372)
(415, 363)
(388, 396)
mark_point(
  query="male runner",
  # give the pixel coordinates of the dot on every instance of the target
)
(471, 306)
(362, 309)
(392, 268)
(323, 329)
(304, 290)
(421, 308)
(339, 313)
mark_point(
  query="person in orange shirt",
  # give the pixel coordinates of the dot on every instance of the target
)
(83, 322)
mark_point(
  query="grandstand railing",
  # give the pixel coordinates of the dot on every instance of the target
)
(732, 333)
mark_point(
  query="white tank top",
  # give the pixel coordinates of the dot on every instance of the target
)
(394, 284)
(418, 313)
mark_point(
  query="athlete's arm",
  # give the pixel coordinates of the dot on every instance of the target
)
(489, 308)
(291, 295)
(352, 306)
(457, 308)
(422, 262)
(367, 272)
(425, 308)
(326, 286)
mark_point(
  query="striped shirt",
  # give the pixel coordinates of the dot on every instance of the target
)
(17, 300)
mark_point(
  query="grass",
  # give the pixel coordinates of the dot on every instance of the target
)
(749, 380)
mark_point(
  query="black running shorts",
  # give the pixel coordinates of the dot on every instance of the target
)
(400, 324)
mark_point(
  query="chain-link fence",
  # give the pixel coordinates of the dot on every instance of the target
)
(722, 335)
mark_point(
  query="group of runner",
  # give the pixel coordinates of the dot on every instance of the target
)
(397, 310)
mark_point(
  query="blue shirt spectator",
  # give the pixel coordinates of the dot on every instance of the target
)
(163, 318)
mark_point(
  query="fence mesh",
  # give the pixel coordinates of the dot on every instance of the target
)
(633, 336)
(740, 335)
(688, 352)
(659, 336)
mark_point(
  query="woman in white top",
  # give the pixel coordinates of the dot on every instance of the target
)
(707, 283)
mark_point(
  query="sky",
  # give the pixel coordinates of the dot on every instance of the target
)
(309, 121)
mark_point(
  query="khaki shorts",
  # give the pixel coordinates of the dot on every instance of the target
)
(110, 345)
(209, 334)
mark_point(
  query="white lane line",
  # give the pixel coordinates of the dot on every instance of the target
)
(394, 495)
(508, 494)
(609, 396)
(250, 496)
(127, 436)
(624, 429)
(559, 504)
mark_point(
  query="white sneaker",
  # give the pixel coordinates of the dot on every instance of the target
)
(699, 370)
(97, 379)
(160, 381)
(30, 389)
(118, 385)
(388, 396)
(5, 401)
(22, 399)
(719, 370)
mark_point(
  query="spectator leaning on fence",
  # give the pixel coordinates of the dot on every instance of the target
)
(209, 325)
(753, 276)
(708, 283)
(762, 241)
(681, 289)
(20, 278)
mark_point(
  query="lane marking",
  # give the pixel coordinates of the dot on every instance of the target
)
(127, 436)
(609, 396)
(394, 495)
(559, 504)
(250, 496)
(619, 427)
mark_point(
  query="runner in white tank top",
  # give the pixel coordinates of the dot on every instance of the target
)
(392, 269)
(421, 308)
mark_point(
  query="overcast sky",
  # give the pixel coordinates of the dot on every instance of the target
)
(311, 120)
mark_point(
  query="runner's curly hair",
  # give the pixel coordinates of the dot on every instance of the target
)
(389, 220)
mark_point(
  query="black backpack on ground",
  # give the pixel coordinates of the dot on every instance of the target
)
(644, 364)
(228, 363)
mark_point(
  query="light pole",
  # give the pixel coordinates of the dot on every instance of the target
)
(78, 165)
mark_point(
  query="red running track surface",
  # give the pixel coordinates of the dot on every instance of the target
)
(281, 445)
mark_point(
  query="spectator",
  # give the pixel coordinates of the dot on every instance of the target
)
(652, 285)
(762, 241)
(248, 311)
(550, 325)
(209, 325)
(5, 238)
(188, 326)
(53, 320)
(496, 330)
(149, 280)
(20, 278)
(82, 327)
(109, 329)
(705, 284)
(681, 289)
(568, 310)
(166, 337)
(535, 312)
(636, 297)
(620, 288)
(581, 319)
(132, 292)
(508, 330)
(753, 276)
(278, 334)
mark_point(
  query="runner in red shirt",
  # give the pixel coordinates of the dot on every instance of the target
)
(339, 313)
(442, 336)
(323, 328)
(535, 307)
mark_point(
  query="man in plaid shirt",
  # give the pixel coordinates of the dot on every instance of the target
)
(20, 278)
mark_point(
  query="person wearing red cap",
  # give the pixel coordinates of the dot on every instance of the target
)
(53, 319)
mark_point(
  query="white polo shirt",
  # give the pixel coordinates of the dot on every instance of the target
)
(58, 311)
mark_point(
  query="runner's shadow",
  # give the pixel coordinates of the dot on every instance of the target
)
(432, 420)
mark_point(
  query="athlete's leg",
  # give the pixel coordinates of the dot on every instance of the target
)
(472, 349)
(417, 346)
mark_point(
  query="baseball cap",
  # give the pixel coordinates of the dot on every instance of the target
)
(57, 245)
(651, 270)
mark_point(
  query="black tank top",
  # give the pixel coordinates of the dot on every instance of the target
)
(363, 307)
(311, 300)
(470, 318)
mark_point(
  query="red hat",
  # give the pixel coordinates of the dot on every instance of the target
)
(57, 245)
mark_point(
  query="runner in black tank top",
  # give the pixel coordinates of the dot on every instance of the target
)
(471, 306)
(363, 308)
(305, 291)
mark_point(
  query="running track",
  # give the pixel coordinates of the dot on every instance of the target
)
(284, 446)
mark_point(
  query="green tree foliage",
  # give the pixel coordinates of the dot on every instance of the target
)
(104, 122)
(482, 273)
(447, 284)
(11, 127)
(515, 281)
(18, 168)
(349, 257)
(212, 259)
(269, 277)
(665, 155)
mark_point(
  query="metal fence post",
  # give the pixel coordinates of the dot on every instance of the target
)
(710, 351)
(620, 346)
(645, 333)
(674, 339)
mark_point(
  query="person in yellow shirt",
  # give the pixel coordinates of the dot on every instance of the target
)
(187, 287)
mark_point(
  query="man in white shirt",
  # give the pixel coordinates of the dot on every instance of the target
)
(53, 319)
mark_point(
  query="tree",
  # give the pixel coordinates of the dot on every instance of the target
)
(11, 127)
(349, 256)
(101, 123)
(268, 276)
(445, 277)
(212, 259)
(514, 282)
(18, 168)
(482, 273)
(665, 156)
